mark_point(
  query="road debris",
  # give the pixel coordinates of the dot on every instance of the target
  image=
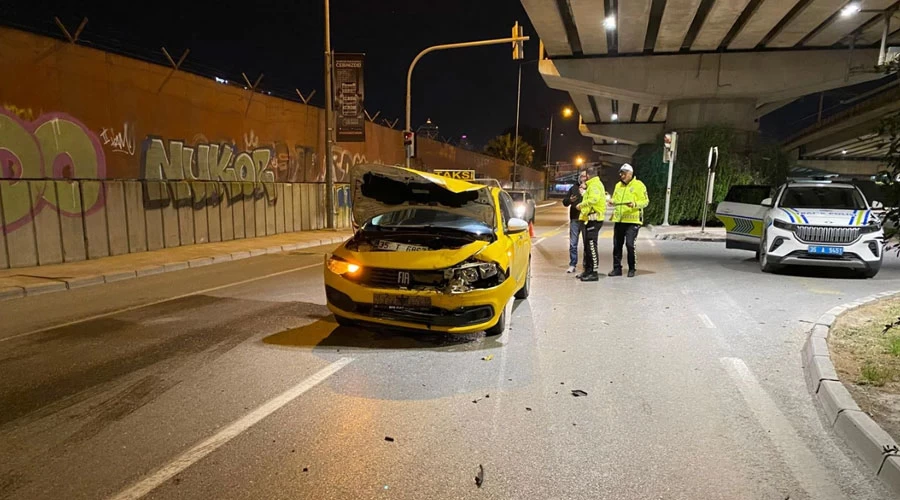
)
(527, 409)
(306, 469)
(578, 393)
(488, 357)
(389, 439)
(479, 476)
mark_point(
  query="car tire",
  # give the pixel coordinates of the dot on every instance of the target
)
(342, 321)
(764, 264)
(870, 272)
(525, 291)
(499, 328)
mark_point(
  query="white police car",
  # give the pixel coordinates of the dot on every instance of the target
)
(806, 223)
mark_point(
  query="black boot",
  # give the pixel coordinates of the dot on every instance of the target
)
(615, 272)
(590, 277)
(631, 273)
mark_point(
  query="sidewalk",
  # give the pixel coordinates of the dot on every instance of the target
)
(26, 281)
(688, 233)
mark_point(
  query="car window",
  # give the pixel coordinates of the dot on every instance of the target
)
(506, 208)
(750, 195)
(516, 196)
(528, 197)
(818, 197)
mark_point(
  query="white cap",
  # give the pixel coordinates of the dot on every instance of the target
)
(626, 168)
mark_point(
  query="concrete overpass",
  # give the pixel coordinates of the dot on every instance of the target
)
(636, 68)
(849, 142)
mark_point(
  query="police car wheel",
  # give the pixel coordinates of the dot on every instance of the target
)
(764, 264)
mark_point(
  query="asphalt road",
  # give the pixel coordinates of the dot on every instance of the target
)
(233, 381)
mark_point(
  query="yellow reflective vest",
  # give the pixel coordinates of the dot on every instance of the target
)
(593, 204)
(635, 192)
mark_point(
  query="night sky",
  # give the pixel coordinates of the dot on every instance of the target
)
(466, 91)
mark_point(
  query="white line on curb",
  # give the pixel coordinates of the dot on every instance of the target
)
(157, 302)
(546, 205)
(706, 321)
(805, 466)
(214, 442)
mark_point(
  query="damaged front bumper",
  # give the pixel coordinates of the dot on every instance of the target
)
(471, 311)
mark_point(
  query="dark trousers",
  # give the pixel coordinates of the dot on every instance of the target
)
(624, 234)
(576, 228)
(591, 253)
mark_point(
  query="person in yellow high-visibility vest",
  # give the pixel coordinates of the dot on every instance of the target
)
(628, 201)
(592, 208)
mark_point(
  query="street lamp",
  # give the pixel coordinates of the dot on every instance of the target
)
(567, 112)
(579, 161)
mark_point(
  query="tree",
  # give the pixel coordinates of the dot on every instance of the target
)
(890, 182)
(503, 147)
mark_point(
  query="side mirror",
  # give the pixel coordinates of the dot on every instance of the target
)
(876, 205)
(515, 226)
(767, 202)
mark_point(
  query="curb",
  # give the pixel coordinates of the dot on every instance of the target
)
(64, 284)
(873, 445)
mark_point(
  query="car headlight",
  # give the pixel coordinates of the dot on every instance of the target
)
(340, 266)
(872, 227)
(780, 224)
(520, 211)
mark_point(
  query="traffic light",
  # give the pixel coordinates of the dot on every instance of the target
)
(409, 143)
(518, 46)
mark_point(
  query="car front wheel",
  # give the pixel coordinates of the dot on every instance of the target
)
(763, 253)
(525, 291)
(499, 327)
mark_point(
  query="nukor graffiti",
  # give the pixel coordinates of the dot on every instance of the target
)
(213, 162)
(54, 146)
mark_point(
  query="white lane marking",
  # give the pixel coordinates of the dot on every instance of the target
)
(803, 463)
(211, 444)
(706, 321)
(157, 302)
(554, 233)
(546, 205)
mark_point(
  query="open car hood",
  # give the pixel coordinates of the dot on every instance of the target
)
(380, 189)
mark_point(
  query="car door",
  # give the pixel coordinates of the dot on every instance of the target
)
(519, 243)
(742, 213)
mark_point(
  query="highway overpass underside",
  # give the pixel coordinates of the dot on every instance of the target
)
(637, 68)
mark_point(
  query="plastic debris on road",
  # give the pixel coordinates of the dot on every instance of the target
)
(479, 476)
(488, 357)
(578, 393)
(389, 439)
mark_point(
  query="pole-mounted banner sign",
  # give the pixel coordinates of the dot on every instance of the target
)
(349, 97)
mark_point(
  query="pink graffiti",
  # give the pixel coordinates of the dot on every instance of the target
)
(54, 147)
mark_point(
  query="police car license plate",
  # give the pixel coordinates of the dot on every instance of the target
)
(817, 250)
(388, 300)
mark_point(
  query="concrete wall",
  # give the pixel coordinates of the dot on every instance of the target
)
(101, 154)
(49, 222)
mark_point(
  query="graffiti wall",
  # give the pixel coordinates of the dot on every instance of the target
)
(124, 156)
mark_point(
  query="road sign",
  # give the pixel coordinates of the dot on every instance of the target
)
(463, 175)
(518, 46)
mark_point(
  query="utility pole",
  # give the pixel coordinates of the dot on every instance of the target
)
(670, 149)
(516, 142)
(412, 66)
(329, 125)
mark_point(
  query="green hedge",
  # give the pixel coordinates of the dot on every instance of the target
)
(762, 164)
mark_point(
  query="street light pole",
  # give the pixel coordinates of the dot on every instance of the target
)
(329, 128)
(516, 142)
(448, 46)
(549, 140)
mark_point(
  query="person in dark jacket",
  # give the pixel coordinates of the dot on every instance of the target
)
(576, 226)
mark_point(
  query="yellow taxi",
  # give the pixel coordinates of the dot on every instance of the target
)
(430, 253)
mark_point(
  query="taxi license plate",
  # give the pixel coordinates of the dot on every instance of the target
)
(818, 250)
(388, 300)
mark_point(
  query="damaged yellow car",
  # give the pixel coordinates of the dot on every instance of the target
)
(431, 253)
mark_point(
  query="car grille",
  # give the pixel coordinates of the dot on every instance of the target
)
(826, 234)
(398, 278)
